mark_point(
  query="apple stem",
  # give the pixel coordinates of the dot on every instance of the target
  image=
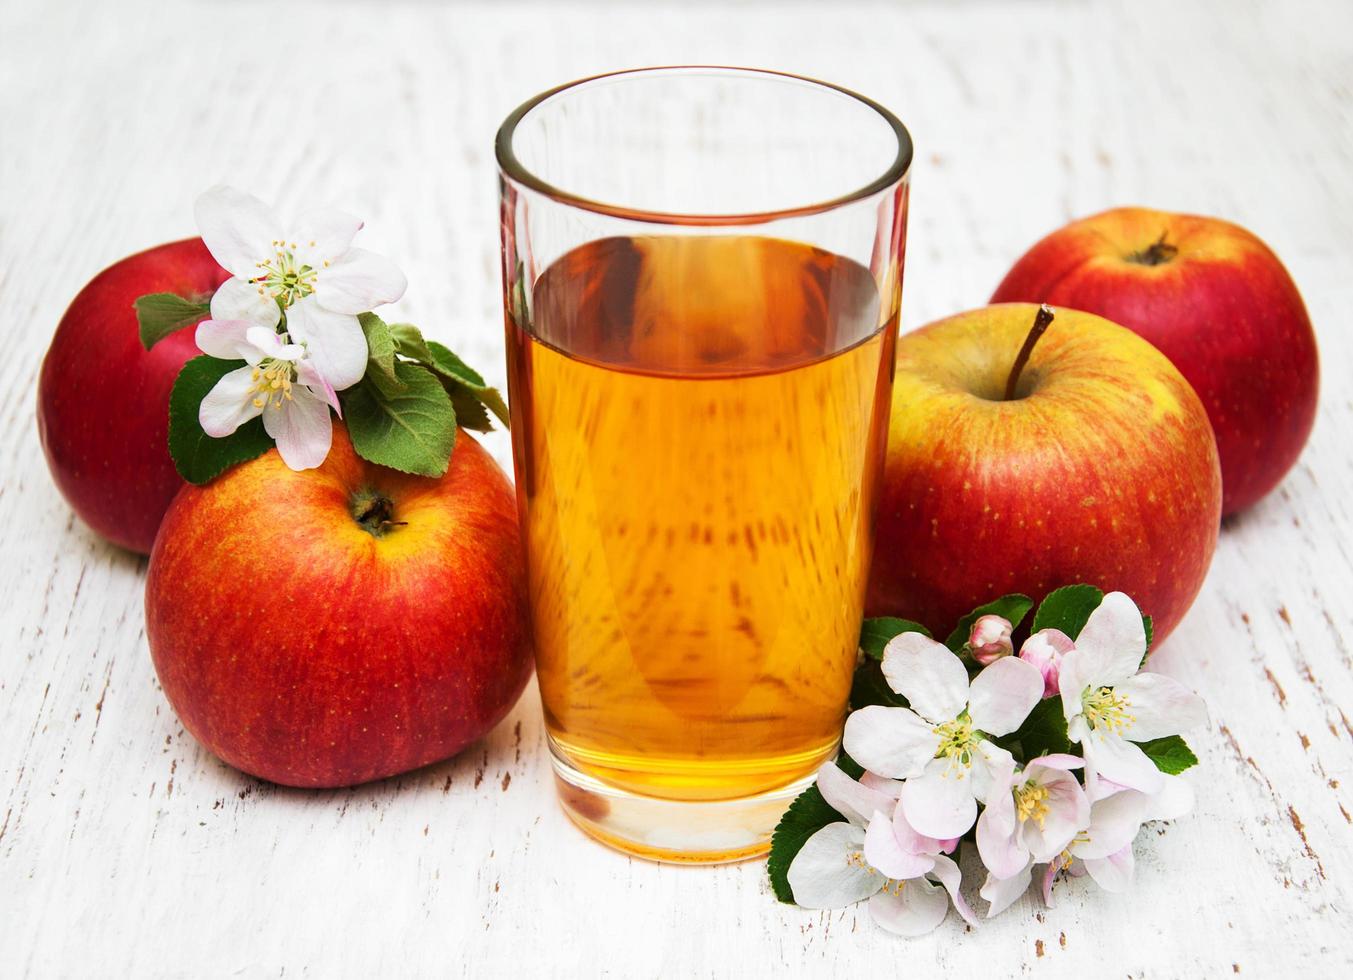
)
(1157, 253)
(1042, 320)
(374, 513)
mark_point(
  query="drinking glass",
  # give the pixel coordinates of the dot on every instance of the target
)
(702, 273)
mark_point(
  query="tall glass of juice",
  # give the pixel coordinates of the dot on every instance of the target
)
(702, 275)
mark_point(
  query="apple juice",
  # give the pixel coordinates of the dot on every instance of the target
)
(699, 429)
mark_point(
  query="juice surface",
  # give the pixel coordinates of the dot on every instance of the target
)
(699, 426)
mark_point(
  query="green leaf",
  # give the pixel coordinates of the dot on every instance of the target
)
(160, 314)
(1044, 731)
(197, 456)
(1150, 627)
(412, 430)
(470, 411)
(1171, 754)
(410, 343)
(380, 347)
(449, 366)
(808, 814)
(875, 633)
(1013, 607)
(1067, 609)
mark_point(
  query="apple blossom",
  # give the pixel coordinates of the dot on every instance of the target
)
(274, 266)
(1110, 707)
(941, 745)
(865, 857)
(1032, 815)
(989, 638)
(1045, 650)
(279, 382)
(1103, 849)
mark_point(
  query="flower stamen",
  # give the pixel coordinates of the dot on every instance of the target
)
(285, 277)
(1105, 707)
(1031, 803)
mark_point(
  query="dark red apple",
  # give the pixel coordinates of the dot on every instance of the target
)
(1217, 302)
(331, 626)
(103, 399)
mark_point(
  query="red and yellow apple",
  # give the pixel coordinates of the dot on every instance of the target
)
(342, 624)
(1217, 302)
(1102, 468)
(103, 399)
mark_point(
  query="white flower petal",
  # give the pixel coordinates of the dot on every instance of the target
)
(237, 299)
(1004, 892)
(916, 909)
(1075, 676)
(886, 855)
(947, 874)
(1050, 876)
(323, 235)
(853, 800)
(1068, 811)
(822, 877)
(359, 281)
(1114, 822)
(1117, 759)
(1058, 760)
(237, 228)
(1160, 706)
(915, 842)
(1003, 694)
(1115, 636)
(269, 343)
(989, 763)
(928, 675)
(334, 342)
(301, 427)
(893, 742)
(1174, 800)
(1112, 873)
(1002, 850)
(319, 384)
(939, 803)
(226, 339)
(229, 404)
(890, 788)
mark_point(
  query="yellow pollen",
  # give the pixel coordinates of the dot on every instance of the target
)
(1105, 707)
(1031, 803)
(956, 742)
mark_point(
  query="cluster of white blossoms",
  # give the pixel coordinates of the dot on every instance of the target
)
(933, 771)
(289, 311)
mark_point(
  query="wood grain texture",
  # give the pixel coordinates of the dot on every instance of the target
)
(126, 850)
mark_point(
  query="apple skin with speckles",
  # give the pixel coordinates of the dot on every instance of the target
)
(337, 625)
(103, 399)
(1101, 469)
(1218, 303)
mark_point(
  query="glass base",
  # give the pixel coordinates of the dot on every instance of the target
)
(673, 831)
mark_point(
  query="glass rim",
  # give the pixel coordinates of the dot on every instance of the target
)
(512, 168)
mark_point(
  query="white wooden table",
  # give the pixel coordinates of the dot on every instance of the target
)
(126, 850)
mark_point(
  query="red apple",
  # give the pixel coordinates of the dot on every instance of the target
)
(341, 624)
(1102, 469)
(103, 399)
(1217, 302)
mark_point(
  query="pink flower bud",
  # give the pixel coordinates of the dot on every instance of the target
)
(990, 639)
(1045, 650)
